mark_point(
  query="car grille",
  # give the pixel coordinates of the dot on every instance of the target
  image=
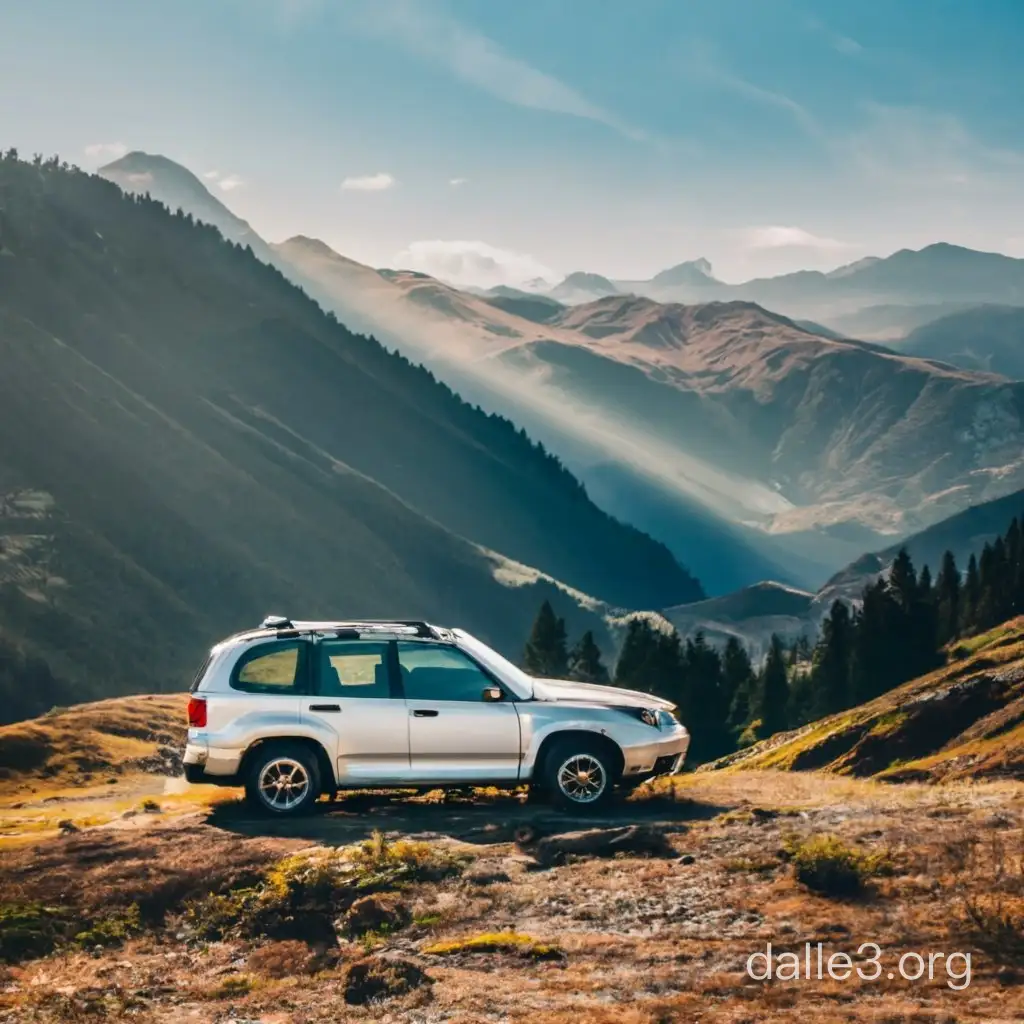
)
(665, 764)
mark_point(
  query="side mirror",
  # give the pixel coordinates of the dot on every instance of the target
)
(492, 694)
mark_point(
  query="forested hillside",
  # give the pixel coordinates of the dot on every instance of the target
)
(188, 441)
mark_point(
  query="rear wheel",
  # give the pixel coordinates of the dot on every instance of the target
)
(579, 774)
(283, 779)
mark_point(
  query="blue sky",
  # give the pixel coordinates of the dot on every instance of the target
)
(493, 140)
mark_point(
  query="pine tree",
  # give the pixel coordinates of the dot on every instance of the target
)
(1015, 566)
(833, 654)
(545, 653)
(774, 690)
(903, 581)
(947, 600)
(702, 700)
(872, 669)
(650, 661)
(971, 597)
(585, 663)
(737, 684)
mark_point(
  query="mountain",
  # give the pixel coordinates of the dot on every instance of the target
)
(751, 614)
(582, 287)
(540, 309)
(890, 323)
(693, 273)
(982, 338)
(178, 188)
(190, 442)
(823, 434)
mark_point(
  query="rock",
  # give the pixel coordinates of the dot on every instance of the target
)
(384, 912)
(687, 858)
(602, 842)
(68, 827)
(375, 978)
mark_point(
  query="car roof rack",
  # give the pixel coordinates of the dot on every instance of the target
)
(417, 627)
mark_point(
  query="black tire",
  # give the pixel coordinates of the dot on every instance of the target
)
(291, 764)
(595, 766)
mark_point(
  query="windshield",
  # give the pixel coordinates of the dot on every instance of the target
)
(489, 658)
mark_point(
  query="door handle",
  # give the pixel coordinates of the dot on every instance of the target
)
(324, 707)
(424, 713)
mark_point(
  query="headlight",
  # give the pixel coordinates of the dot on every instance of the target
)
(649, 716)
(667, 720)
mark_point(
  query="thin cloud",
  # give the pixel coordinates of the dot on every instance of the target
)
(703, 63)
(230, 183)
(369, 182)
(211, 175)
(472, 263)
(456, 182)
(434, 34)
(923, 148)
(106, 150)
(777, 236)
(846, 45)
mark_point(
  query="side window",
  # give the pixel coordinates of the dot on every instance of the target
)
(271, 668)
(440, 673)
(353, 669)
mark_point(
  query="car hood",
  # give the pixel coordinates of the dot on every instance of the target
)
(592, 693)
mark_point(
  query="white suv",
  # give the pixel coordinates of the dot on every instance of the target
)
(294, 710)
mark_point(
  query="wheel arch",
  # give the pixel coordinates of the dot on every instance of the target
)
(618, 758)
(328, 782)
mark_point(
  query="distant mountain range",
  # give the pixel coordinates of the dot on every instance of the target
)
(189, 442)
(937, 275)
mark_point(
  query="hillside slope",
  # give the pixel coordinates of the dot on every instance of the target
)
(965, 720)
(188, 442)
(987, 338)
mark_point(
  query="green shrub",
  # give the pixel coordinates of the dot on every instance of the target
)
(302, 895)
(29, 930)
(111, 930)
(828, 866)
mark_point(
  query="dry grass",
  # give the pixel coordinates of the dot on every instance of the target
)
(87, 744)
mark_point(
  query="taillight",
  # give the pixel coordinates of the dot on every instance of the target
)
(197, 712)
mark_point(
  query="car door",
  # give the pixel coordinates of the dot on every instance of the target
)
(357, 706)
(455, 735)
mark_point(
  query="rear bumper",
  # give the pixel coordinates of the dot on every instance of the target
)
(210, 765)
(197, 775)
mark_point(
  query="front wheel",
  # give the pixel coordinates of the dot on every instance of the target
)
(578, 774)
(283, 779)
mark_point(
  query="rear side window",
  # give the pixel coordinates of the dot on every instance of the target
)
(271, 668)
(353, 669)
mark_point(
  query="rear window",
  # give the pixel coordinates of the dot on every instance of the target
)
(271, 668)
(202, 672)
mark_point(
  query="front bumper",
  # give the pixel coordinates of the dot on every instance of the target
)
(662, 756)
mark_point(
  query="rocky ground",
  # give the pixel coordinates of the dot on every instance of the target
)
(488, 909)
